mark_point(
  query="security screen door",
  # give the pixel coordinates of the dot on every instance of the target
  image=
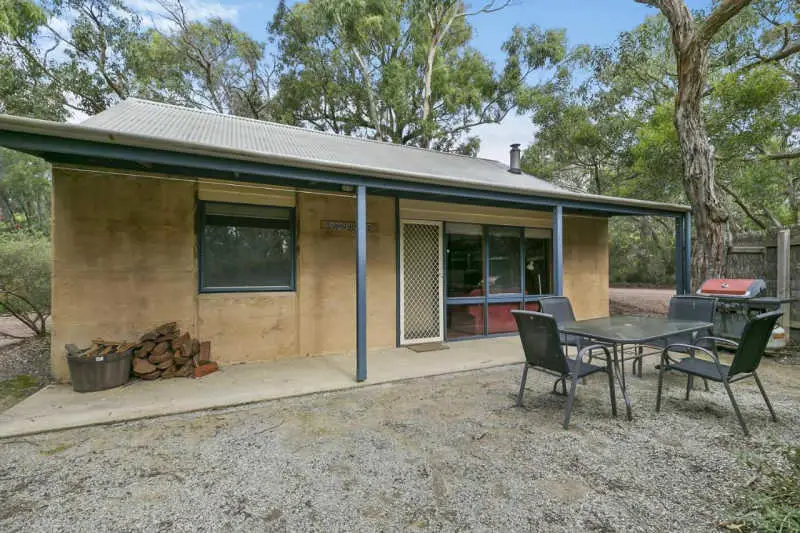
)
(421, 282)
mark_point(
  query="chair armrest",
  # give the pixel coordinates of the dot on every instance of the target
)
(718, 339)
(594, 347)
(714, 357)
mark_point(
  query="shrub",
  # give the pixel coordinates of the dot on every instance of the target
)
(772, 502)
(25, 279)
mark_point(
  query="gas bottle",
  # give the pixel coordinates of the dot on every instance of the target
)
(778, 339)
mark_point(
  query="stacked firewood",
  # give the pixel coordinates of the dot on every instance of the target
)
(166, 353)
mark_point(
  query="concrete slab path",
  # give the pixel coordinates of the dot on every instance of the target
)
(58, 407)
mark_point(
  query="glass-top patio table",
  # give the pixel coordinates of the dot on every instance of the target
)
(621, 330)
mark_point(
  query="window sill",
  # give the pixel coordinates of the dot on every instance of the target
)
(239, 290)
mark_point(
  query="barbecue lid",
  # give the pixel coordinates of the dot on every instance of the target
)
(733, 287)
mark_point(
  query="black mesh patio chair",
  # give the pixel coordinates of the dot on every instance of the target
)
(543, 350)
(560, 308)
(699, 308)
(749, 352)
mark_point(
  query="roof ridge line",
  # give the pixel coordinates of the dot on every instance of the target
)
(300, 128)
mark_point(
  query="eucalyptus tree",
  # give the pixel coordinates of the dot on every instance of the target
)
(401, 71)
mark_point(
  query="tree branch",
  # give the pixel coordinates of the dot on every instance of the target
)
(741, 204)
(724, 11)
(783, 155)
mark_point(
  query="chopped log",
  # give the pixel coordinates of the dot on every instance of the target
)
(160, 348)
(142, 367)
(185, 371)
(152, 375)
(205, 369)
(145, 349)
(107, 350)
(180, 360)
(165, 364)
(126, 347)
(169, 372)
(105, 342)
(195, 347)
(149, 336)
(91, 352)
(160, 357)
(169, 327)
(205, 352)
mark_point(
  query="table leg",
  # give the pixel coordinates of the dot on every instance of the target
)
(621, 381)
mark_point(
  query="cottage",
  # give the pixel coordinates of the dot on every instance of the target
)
(275, 241)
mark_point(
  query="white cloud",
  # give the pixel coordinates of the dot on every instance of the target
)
(496, 139)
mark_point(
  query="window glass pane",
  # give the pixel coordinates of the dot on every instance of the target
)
(464, 260)
(246, 247)
(500, 318)
(464, 320)
(537, 265)
(504, 261)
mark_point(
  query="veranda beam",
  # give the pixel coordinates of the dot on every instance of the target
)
(361, 283)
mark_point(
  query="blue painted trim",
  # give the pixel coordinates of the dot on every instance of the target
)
(687, 253)
(486, 274)
(558, 250)
(108, 154)
(200, 212)
(465, 300)
(361, 283)
(397, 269)
(679, 287)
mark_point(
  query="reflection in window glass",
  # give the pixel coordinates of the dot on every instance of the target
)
(246, 247)
(500, 318)
(504, 261)
(465, 320)
(537, 261)
(464, 260)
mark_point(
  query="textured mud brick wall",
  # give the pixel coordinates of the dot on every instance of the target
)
(123, 257)
(326, 275)
(586, 265)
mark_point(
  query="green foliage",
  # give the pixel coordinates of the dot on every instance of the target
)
(24, 193)
(772, 505)
(25, 278)
(403, 72)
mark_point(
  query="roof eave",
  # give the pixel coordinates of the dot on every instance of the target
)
(85, 133)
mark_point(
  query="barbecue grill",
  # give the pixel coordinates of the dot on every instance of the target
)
(738, 300)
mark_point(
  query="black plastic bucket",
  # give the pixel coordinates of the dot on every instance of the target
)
(100, 372)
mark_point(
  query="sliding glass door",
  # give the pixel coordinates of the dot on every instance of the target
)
(491, 270)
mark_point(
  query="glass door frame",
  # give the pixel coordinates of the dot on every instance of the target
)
(487, 298)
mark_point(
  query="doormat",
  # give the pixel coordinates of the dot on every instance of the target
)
(428, 347)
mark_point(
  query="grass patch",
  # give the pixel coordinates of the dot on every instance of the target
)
(771, 503)
(17, 388)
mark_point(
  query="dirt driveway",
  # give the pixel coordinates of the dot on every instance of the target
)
(639, 301)
(434, 454)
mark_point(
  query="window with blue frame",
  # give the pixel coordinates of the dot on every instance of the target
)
(491, 270)
(246, 247)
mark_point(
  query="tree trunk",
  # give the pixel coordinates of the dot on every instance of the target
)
(709, 215)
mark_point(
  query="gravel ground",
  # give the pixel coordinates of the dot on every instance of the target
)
(435, 454)
(26, 357)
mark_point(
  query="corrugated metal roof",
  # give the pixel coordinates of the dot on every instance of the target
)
(169, 122)
(144, 124)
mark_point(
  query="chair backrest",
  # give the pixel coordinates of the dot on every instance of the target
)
(755, 337)
(558, 307)
(540, 341)
(699, 308)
